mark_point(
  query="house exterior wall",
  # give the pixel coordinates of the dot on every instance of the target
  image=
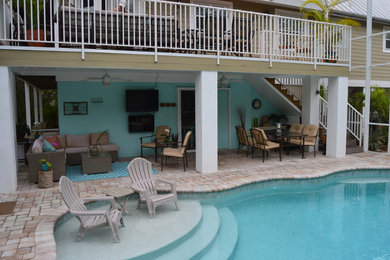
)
(112, 116)
(380, 73)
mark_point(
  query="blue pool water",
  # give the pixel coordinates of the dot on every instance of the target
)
(338, 217)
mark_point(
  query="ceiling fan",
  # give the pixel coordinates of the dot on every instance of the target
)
(107, 79)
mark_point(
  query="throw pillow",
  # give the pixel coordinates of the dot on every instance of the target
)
(37, 146)
(103, 140)
(53, 140)
(47, 147)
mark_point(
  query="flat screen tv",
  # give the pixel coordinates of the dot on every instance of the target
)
(142, 100)
(141, 123)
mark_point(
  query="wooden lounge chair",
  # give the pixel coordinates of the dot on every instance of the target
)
(180, 152)
(243, 139)
(162, 133)
(311, 132)
(260, 141)
(90, 219)
(140, 171)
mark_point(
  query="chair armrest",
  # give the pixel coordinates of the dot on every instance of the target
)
(142, 137)
(172, 184)
(141, 191)
(107, 198)
(89, 213)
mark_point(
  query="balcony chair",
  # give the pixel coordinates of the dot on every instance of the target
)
(90, 219)
(260, 141)
(162, 133)
(311, 132)
(180, 152)
(140, 172)
(243, 139)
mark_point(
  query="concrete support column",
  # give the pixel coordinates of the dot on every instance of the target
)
(310, 101)
(36, 119)
(8, 152)
(337, 117)
(27, 102)
(206, 121)
(40, 105)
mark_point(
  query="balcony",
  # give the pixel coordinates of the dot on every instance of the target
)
(153, 27)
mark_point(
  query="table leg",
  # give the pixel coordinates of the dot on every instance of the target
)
(303, 148)
(123, 205)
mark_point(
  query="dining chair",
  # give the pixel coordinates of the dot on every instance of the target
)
(180, 152)
(261, 141)
(162, 133)
(243, 139)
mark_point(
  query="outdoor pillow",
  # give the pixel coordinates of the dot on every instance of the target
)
(77, 140)
(62, 140)
(103, 140)
(53, 140)
(47, 147)
(37, 146)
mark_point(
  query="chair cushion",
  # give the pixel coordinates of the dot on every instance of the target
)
(107, 147)
(62, 140)
(296, 128)
(311, 131)
(53, 140)
(149, 145)
(105, 139)
(271, 145)
(175, 152)
(298, 142)
(77, 141)
(71, 150)
(47, 147)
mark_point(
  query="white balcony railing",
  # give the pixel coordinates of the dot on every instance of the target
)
(168, 27)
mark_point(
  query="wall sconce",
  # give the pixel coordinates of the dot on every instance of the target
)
(318, 92)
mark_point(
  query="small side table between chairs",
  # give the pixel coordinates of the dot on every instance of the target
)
(117, 193)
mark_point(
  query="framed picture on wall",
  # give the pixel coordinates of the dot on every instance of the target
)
(75, 108)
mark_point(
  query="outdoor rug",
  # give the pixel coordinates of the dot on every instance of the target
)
(118, 170)
(7, 208)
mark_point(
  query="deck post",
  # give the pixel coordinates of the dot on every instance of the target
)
(310, 102)
(337, 117)
(206, 121)
(8, 157)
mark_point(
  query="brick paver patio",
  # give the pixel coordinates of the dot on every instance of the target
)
(28, 232)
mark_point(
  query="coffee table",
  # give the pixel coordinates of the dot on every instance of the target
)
(117, 193)
(99, 163)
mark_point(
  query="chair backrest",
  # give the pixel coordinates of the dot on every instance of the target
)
(242, 135)
(185, 142)
(140, 172)
(162, 131)
(260, 139)
(311, 131)
(70, 197)
(296, 128)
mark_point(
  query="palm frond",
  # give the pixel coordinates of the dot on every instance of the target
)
(314, 15)
(320, 3)
(349, 22)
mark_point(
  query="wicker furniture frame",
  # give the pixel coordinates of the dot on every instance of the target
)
(96, 164)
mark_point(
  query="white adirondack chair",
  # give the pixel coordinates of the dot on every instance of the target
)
(90, 219)
(140, 171)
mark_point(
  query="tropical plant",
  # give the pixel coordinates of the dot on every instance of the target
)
(357, 101)
(21, 130)
(380, 103)
(34, 11)
(324, 10)
(282, 118)
(94, 150)
(242, 114)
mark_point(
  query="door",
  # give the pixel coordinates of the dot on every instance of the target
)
(187, 115)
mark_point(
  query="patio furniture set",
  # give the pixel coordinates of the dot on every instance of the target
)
(298, 135)
(142, 182)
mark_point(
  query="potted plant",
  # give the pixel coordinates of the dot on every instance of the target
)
(34, 14)
(45, 174)
(94, 150)
(21, 130)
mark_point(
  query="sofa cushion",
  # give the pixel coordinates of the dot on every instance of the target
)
(108, 147)
(53, 140)
(62, 140)
(37, 146)
(105, 139)
(77, 141)
(70, 150)
(47, 147)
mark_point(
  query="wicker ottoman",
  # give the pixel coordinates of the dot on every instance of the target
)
(96, 164)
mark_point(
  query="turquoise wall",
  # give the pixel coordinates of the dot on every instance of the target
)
(111, 115)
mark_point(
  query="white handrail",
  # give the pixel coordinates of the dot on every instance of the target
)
(163, 26)
(293, 85)
(323, 112)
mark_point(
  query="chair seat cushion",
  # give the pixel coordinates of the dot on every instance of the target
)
(71, 150)
(175, 152)
(271, 145)
(298, 142)
(149, 145)
(162, 197)
(107, 147)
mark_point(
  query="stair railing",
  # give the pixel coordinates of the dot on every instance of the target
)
(323, 113)
(294, 85)
(289, 92)
(355, 123)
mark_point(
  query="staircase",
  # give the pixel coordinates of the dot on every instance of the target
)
(214, 237)
(285, 91)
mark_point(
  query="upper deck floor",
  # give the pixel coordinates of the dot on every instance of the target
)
(173, 30)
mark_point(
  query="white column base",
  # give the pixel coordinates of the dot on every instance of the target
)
(8, 148)
(337, 117)
(206, 123)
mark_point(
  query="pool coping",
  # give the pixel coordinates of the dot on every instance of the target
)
(44, 236)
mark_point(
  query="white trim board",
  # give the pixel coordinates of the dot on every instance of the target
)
(361, 83)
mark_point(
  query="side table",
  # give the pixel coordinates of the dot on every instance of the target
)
(117, 193)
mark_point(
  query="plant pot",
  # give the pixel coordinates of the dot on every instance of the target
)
(35, 37)
(94, 151)
(45, 179)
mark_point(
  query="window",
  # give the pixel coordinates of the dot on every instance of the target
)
(386, 40)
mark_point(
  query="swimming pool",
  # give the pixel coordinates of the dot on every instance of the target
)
(342, 216)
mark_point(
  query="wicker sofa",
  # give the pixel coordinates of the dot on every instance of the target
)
(71, 146)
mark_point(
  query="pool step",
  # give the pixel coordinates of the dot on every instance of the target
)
(201, 238)
(225, 242)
